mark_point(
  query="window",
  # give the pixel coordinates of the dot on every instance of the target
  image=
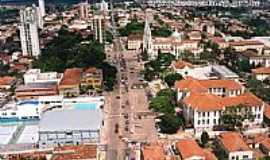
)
(233, 157)
(203, 122)
(13, 113)
(207, 121)
(245, 157)
(214, 121)
(203, 114)
(199, 114)
(199, 122)
(208, 113)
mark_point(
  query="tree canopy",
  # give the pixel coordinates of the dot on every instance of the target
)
(171, 78)
(70, 50)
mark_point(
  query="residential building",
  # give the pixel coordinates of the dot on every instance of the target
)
(255, 58)
(190, 150)
(70, 84)
(92, 77)
(41, 5)
(29, 32)
(203, 111)
(234, 146)
(7, 82)
(99, 27)
(222, 88)
(35, 76)
(84, 10)
(261, 73)
(70, 127)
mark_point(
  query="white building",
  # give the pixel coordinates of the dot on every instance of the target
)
(41, 5)
(99, 28)
(23, 110)
(29, 31)
(35, 76)
(203, 72)
(103, 6)
(58, 128)
(261, 73)
(203, 111)
(84, 10)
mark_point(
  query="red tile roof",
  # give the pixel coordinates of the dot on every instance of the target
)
(180, 64)
(245, 43)
(233, 142)
(189, 148)
(75, 152)
(207, 102)
(7, 80)
(71, 76)
(153, 152)
(261, 70)
(266, 143)
(194, 85)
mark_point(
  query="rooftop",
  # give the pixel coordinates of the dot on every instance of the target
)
(195, 85)
(153, 152)
(180, 64)
(189, 148)
(209, 102)
(71, 76)
(261, 70)
(61, 121)
(233, 142)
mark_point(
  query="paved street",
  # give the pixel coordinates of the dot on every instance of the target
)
(128, 118)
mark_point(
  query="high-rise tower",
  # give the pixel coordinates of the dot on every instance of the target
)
(99, 27)
(84, 10)
(29, 31)
(41, 5)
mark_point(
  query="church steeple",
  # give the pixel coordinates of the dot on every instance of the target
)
(147, 38)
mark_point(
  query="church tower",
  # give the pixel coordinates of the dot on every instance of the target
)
(147, 39)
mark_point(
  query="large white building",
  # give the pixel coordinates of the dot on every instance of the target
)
(205, 101)
(35, 76)
(29, 31)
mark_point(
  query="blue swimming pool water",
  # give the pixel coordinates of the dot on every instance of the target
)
(91, 106)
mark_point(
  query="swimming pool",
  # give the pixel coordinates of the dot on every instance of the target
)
(91, 106)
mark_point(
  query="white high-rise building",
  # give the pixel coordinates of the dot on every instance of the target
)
(41, 5)
(29, 31)
(99, 27)
(84, 10)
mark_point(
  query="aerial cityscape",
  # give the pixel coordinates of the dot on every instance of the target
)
(135, 80)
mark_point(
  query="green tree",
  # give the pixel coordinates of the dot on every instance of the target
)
(233, 117)
(204, 138)
(134, 27)
(169, 123)
(170, 79)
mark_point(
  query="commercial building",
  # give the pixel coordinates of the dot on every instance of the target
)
(35, 76)
(135, 42)
(70, 127)
(29, 31)
(35, 90)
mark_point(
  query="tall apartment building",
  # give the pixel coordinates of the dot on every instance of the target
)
(99, 27)
(29, 31)
(84, 10)
(41, 5)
